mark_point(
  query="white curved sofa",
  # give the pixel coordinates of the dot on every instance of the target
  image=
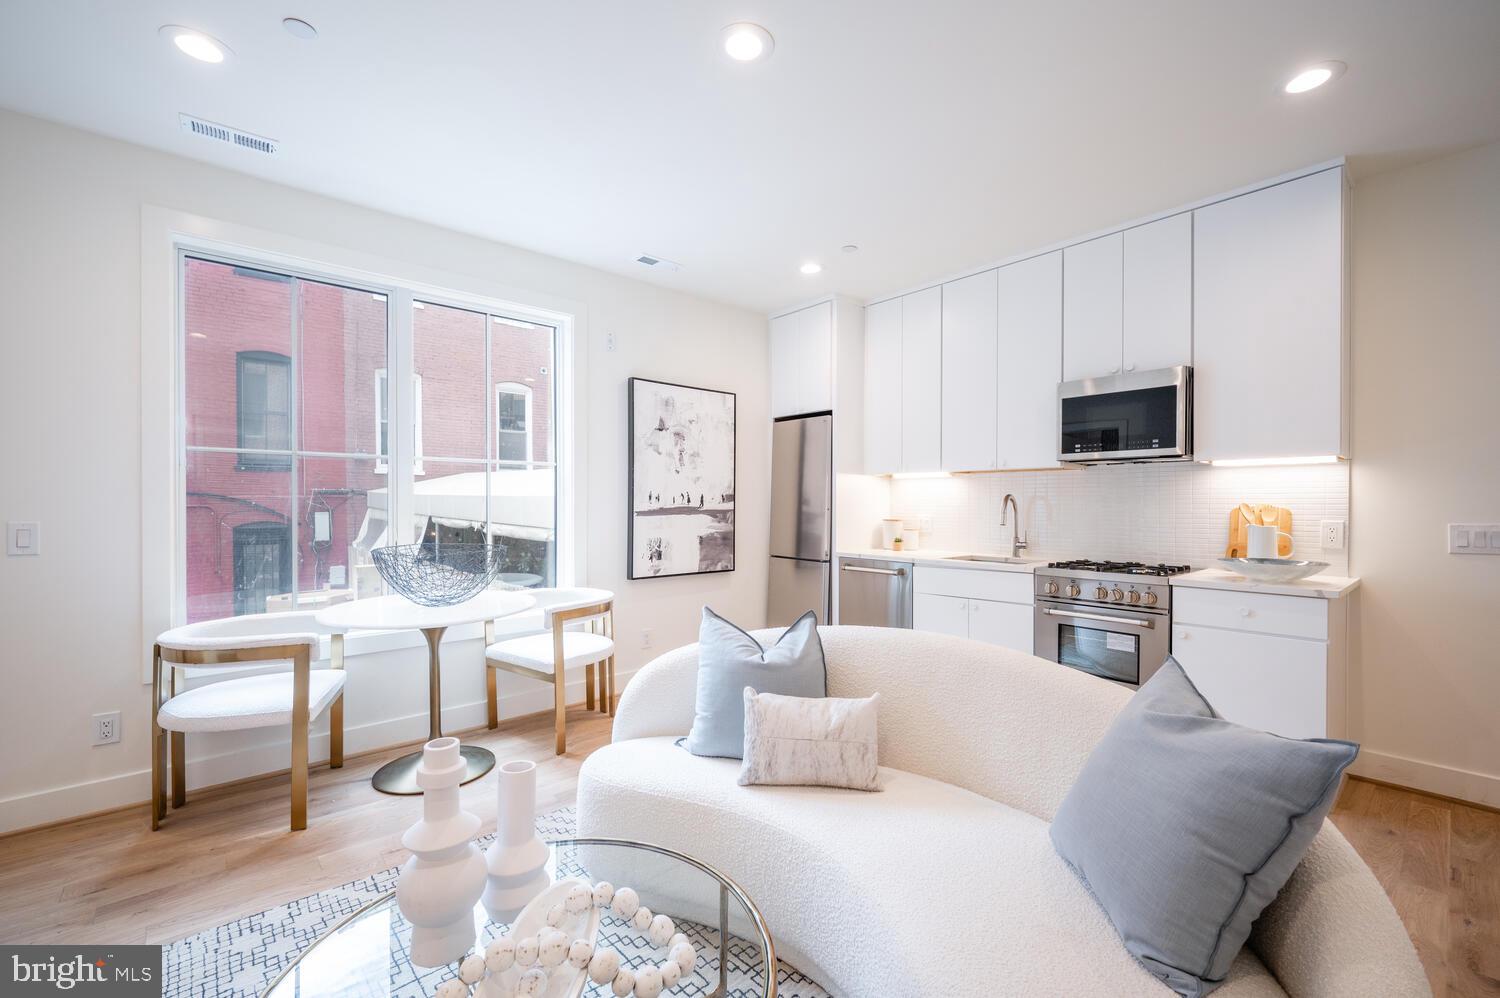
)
(946, 884)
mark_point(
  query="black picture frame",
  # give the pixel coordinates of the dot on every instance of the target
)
(631, 513)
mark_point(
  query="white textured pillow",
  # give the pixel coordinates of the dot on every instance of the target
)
(810, 742)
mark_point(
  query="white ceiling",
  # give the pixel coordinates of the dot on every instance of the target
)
(937, 136)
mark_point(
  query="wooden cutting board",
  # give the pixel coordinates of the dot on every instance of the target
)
(1262, 514)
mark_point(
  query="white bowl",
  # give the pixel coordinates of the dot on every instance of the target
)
(1273, 569)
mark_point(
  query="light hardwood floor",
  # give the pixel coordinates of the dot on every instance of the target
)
(229, 854)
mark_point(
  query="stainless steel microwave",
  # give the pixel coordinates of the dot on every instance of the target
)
(1138, 416)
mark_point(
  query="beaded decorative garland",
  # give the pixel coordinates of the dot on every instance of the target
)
(553, 949)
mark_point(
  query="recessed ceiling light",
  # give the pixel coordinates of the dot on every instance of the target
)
(849, 248)
(811, 267)
(746, 42)
(196, 44)
(298, 28)
(1314, 76)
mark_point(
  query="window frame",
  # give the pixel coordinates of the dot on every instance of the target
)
(166, 233)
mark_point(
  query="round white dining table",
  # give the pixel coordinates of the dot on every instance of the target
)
(397, 613)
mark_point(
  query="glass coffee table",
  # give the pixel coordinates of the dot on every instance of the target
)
(367, 955)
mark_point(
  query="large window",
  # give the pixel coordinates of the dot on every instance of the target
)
(294, 468)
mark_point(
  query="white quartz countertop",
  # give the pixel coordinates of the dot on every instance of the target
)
(1318, 586)
(945, 559)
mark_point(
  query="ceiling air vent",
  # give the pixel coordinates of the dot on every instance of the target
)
(657, 261)
(227, 135)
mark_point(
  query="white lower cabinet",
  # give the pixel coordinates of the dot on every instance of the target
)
(941, 614)
(960, 602)
(1270, 662)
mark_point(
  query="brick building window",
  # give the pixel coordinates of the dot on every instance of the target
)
(512, 423)
(263, 407)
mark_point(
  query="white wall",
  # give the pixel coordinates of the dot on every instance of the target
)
(70, 277)
(1426, 322)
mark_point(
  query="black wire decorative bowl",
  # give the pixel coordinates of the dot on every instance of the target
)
(439, 574)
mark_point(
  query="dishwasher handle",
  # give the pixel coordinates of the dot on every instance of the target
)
(874, 571)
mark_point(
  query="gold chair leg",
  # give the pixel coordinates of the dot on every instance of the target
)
(336, 733)
(179, 769)
(158, 746)
(588, 686)
(560, 698)
(613, 693)
(492, 697)
(300, 683)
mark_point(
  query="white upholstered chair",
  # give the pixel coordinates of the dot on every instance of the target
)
(548, 654)
(292, 698)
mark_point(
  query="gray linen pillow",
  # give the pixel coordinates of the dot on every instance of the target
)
(811, 741)
(1185, 826)
(729, 660)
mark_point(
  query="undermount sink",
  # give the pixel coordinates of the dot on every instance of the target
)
(997, 559)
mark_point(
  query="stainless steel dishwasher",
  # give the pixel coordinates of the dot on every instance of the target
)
(875, 592)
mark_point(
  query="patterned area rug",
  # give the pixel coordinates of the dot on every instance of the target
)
(240, 959)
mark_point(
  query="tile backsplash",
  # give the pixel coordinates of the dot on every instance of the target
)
(1177, 513)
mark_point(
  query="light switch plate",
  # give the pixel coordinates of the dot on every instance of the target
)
(1473, 538)
(1331, 535)
(23, 537)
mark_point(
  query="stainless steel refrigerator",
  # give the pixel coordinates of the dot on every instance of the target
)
(801, 518)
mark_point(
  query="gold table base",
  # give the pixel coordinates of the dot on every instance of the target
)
(399, 776)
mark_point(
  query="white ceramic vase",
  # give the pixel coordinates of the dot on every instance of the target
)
(517, 860)
(444, 877)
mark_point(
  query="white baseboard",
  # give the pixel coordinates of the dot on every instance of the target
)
(43, 807)
(1447, 781)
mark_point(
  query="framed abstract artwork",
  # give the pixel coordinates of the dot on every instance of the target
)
(682, 443)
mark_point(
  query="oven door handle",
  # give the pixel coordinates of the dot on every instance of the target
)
(1147, 623)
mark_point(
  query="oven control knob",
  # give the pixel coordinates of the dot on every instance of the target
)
(1101, 593)
(1150, 599)
(1116, 595)
(1133, 596)
(1050, 589)
(1073, 591)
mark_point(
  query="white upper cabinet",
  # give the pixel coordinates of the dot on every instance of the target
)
(883, 388)
(1029, 303)
(802, 361)
(1158, 294)
(783, 359)
(922, 381)
(1268, 330)
(1093, 273)
(815, 330)
(969, 366)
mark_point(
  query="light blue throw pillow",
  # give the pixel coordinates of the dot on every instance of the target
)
(729, 660)
(1185, 826)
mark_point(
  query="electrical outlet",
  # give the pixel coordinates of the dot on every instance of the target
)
(107, 728)
(645, 637)
(1332, 534)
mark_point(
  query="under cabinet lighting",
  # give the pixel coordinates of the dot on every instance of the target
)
(1260, 462)
(920, 474)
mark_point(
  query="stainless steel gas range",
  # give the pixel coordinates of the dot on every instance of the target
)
(1107, 618)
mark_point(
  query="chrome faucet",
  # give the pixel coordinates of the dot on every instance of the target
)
(1018, 542)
